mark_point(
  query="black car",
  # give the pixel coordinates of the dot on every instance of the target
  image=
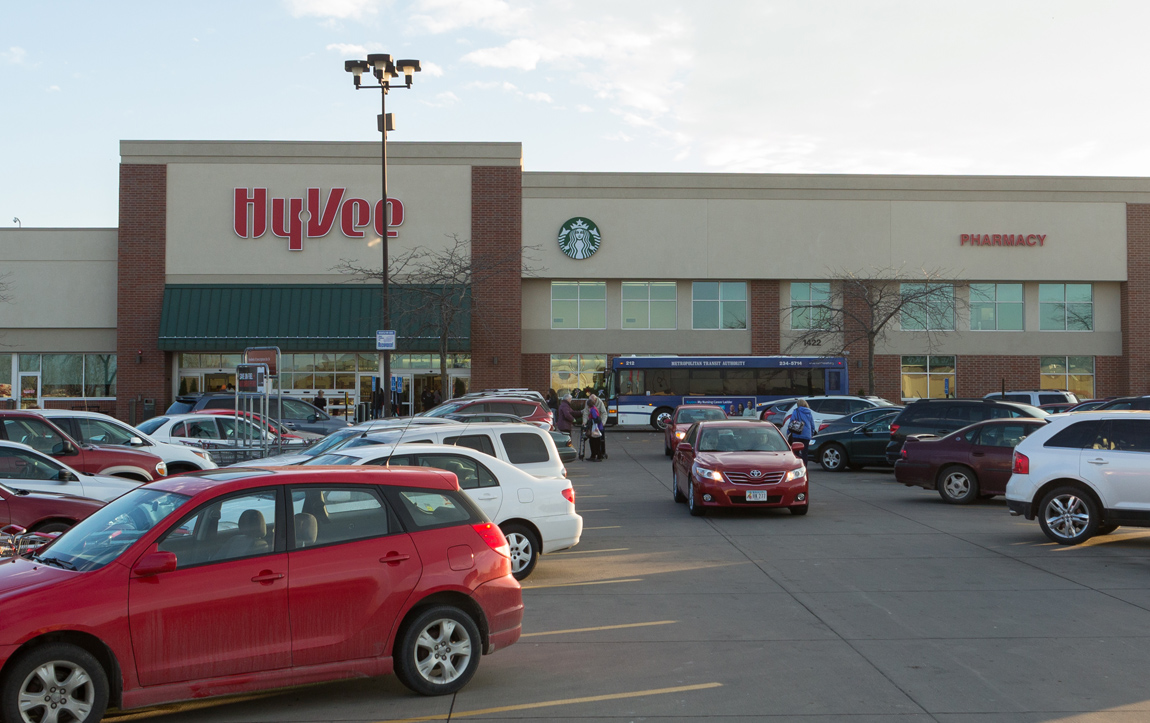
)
(1139, 403)
(940, 417)
(855, 447)
(296, 413)
(858, 419)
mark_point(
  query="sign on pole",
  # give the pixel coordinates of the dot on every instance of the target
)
(268, 356)
(385, 340)
(250, 378)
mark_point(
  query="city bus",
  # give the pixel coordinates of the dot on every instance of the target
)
(646, 390)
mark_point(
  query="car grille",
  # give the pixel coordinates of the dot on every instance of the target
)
(742, 500)
(742, 478)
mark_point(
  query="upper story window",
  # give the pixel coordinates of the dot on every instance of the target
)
(810, 304)
(719, 305)
(649, 305)
(578, 305)
(1066, 307)
(996, 307)
(927, 307)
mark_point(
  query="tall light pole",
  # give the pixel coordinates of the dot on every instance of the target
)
(381, 66)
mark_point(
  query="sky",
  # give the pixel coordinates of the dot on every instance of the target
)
(1005, 87)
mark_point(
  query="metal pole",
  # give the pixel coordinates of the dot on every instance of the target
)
(383, 243)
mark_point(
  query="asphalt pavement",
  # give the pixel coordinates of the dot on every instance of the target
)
(883, 604)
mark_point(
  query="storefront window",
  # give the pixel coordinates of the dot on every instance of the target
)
(1068, 373)
(578, 305)
(190, 361)
(578, 371)
(810, 305)
(996, 307)
(29, 362)
(5, 376)
(99, 375)
(1066, 307)
(719, 305)
(649, 305)
(928, 377)
(927, 307)
(62, 375)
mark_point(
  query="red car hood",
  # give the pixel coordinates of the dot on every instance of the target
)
(765, 461)
(19, 576)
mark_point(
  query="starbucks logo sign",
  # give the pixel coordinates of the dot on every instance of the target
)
(579, 238)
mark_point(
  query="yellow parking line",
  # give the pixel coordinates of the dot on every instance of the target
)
(588, 552)
(581, 584)
(565, 701)
(608, 527)
(601, 627)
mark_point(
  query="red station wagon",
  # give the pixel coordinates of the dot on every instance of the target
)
(237, 580)
(43, 436)
(738, 464)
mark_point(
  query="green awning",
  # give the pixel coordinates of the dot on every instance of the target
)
(307, 317)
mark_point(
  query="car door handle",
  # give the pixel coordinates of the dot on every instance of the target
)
(488, 496)
(394, 558)
(1097, 461)
(267, 577)
(978, 454)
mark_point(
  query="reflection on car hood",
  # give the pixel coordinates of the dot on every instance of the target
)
(757, 460)
(19, 576)
(280, 460)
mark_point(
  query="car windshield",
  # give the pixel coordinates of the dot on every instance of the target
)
(443, 410)
(690, 416)
(97, 540)
(151, 425)
(331, 441)
(341, 459)
(377, 438)
(742, 439)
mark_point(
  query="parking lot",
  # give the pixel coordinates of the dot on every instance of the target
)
(883, 604)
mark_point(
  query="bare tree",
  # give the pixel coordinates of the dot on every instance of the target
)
(863, 304)
(6, 295)
(436, 287)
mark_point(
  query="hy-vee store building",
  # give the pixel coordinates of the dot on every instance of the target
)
(226, 245)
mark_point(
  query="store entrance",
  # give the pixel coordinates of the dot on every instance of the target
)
(424, 389)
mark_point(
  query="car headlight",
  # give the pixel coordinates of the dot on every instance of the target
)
(162, 469)
(680, 435)
(795, 474)
(202, 453)
(705, 473)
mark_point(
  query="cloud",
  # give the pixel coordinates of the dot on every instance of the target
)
(584, 108)
(443, 100)
(441, 16)
(432, 69)
(521, 53)
(358, 51)
(53, 89)
(338, 9)
(541, 97)
(15, 55)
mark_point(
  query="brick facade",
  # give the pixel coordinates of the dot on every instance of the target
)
(1135, 294)
(763, 296)
(537, 372)
(496, 291)
(143, 371)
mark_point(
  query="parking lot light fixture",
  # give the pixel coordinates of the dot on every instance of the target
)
(381, 66)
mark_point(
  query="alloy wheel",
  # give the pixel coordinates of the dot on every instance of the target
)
(1067, 515)
(521, 551)
(442, 651)
(58, 690)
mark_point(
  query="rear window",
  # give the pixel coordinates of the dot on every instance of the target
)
(478, 442)
(220, 403)
(179, 407)
(151, 425)
(426, 509)
(1052, 399)
(524, 410)
(341, 459)
(524, 448)
(1077, 436)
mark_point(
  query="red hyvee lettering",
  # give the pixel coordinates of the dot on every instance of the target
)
(355, 214)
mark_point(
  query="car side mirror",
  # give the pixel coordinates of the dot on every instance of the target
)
(70, 449)
(136, 442)
(867, 431)
(797, 446)
(13, 530)
(65, 476)
(684, 447)
(155, 563)
(312, 419)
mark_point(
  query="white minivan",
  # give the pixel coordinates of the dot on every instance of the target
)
(527, 447)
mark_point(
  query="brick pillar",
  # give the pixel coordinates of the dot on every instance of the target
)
(140, 288)
(537, 372)
(496, 289)
(1135, 292)
(858, 363)
(764, 299)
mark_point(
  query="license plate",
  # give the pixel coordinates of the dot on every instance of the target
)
(756, 495)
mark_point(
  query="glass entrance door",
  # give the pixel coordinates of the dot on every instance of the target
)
(29, 391)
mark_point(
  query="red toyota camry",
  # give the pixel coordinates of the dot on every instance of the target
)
(738, 464)
(239, 580)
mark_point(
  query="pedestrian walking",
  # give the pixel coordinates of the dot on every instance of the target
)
(320, 401)
(602, 407)
(801, 427)
(565, 416)
(593, 428)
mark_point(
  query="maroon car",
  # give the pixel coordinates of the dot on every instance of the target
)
(733, 463)
(43, 511)
(965, 465)
(43, 436)
(682, 418)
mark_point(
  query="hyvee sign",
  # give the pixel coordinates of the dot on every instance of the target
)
(353, 215)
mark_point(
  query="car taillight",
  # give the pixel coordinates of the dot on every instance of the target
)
(494, 538)
(1021, 464)
(823, 426)
(569, 495)
(893, 429)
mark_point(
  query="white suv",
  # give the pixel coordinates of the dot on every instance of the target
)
(1036, 398)
(1083, 474)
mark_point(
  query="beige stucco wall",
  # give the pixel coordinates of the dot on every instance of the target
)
(63, 288)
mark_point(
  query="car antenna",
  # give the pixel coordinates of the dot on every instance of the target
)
(402, 434)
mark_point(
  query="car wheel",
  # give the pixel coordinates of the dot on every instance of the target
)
(661, 417)
(1106, 529)
(693, 506)
(833, 458)
(55, 682)
(1068, 516)
(53, 527)
(439, 651)
(675, 487)
(524, 550)
(957, 485)
(800, 510)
